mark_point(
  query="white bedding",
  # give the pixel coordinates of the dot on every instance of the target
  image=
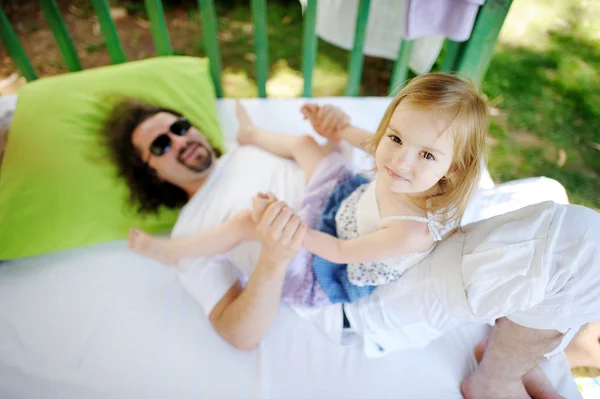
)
(102, 322)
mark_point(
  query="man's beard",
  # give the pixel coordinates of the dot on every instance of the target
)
(201, 162)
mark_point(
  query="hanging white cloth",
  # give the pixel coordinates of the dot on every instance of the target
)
(390, 21)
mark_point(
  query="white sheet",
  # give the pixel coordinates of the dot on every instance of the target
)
(102, 322)
(7, 106)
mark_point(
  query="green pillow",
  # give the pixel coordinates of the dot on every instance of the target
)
(57, 188)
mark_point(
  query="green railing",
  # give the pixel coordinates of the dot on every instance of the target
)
(59, 30)
(109, 31)
(470, 58)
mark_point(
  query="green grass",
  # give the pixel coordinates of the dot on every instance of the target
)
(548, 84)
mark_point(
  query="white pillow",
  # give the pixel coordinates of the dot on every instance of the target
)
(4, 124)
(7, 108)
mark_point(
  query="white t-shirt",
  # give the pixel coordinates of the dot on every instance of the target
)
(237, 177)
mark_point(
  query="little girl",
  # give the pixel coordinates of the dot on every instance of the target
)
(429, 150)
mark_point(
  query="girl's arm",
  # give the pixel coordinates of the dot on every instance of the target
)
(217, 240)
(355, 136)
(400, 238)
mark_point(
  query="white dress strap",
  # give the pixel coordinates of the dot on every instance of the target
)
(434, 226)
(436, 229)
(403, 217)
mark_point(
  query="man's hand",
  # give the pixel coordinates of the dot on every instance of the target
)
(281, 232)
(243, 316)
(327, 120)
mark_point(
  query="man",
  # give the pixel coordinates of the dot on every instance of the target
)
(166, 162)
(157, 151)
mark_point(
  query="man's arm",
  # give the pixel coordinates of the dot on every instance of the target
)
(243, 316)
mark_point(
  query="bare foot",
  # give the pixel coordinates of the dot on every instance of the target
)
(538, 386)
(260, 203)
(246, 127)
(151, 247)
(479, 386)
(534, 385)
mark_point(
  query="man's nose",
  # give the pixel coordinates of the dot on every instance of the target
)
(177, 142)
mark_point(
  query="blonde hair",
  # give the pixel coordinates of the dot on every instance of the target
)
(464, 104)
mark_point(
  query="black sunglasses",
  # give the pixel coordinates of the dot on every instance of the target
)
(162, 143)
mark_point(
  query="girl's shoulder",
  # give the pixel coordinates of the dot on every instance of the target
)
(413, 233)
(428, 229)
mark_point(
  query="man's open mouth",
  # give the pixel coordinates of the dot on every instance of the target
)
(189, 152)
(196, 157)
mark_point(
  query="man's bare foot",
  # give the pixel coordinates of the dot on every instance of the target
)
(151, 247)
(246, 127)
(538, 386)
(479, 386)
(534, 385)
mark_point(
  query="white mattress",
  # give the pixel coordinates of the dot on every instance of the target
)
(102, 322)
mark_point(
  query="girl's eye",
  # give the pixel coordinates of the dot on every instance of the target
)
(396, 139)
(428, 155)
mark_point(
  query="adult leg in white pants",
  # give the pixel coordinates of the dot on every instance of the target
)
(518, 343)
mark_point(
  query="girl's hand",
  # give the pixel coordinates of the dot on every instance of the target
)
(327, 120)
(260, 203)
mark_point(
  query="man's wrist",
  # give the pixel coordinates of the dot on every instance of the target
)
(269, 267)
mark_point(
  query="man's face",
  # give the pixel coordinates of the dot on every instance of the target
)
(189, 157)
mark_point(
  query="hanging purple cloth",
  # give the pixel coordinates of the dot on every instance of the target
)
(451, 18)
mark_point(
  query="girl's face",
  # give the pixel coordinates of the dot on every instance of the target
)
(415, 152)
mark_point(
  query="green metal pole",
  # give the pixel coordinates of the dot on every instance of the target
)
(479, 48)
(309, 43)
(401, 65)
(109, 31)
(356, 58)
(14, 48)
(211, 43)
(59, 30)
(156, 14)
(453, 54)
(261, 45)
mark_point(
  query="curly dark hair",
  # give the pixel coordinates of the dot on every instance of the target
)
(146, 191)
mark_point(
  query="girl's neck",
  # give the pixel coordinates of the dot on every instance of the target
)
(413, 202)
